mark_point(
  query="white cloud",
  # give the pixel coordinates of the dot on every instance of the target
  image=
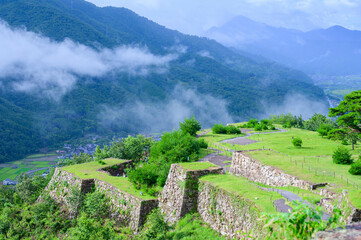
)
(52, 68)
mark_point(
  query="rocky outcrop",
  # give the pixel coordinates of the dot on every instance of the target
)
(180, 193)
(228, 213)
(350, 232)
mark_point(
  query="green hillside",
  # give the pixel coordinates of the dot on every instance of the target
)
(243, 83)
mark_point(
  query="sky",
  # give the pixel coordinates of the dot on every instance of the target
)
(197, 16)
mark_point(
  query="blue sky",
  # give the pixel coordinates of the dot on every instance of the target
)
(196, 16)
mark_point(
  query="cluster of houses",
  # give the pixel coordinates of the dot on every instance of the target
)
(70, 150)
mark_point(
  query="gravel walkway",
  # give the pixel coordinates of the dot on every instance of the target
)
(217, 159)
(245, 141)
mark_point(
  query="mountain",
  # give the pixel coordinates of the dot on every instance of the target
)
(156, 78)
(332, 51)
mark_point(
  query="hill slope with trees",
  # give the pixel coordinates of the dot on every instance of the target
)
(202, 65)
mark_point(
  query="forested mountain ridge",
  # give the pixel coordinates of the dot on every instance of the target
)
(331, 51)
(200, 64)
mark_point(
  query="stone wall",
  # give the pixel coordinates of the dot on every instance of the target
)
(256, 171)
(228, 213)
(126, 209)
(62, 187)
(180, 193)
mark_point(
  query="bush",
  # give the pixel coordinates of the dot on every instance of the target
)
(145, 175)
(252, 123)
(264, 126)
(355, 168)
(287, 125)
(265, 122)
(324, 129)
(219, 129)
(232, 130)
(190, 126)
(273, 127)
(175, 147)
(342, 156)
(297, 142)
(258, 128)
(202, 143)
(301, 223)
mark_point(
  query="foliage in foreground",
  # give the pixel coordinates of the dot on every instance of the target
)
(301, 223)
(191, 227)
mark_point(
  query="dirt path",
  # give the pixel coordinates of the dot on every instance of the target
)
(217, 159)
(245, 141)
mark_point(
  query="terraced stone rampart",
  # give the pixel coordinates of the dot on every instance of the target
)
(180, 193)
(227, 213)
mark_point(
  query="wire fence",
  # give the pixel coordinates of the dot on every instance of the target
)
(310, 164)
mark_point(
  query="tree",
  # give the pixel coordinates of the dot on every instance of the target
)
(190, 125)
(348, 114)
(356, 167)
(131, 148)
(342, 156)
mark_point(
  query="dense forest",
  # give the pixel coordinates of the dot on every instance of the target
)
(203, 65)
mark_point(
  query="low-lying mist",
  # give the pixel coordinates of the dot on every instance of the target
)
(50, 69)
(156, 117)
(296, 104)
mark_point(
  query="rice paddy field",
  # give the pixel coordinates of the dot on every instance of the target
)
(31, 163)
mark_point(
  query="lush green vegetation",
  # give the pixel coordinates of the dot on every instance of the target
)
(35, 122)
(221, 129)
(301, 223)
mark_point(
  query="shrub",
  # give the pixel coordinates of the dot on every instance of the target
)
(355, 168)
(232, 130)
(219, 129)
(145, 175)
(258, 128)
(301, 223)
(342, 156)
(265, 122)
(324, 129)
(175, 147)
(287, 125)
(264, 126)
(252, 123)
(202, 143)
(273, 127)
(297, 142)
(190, 125)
